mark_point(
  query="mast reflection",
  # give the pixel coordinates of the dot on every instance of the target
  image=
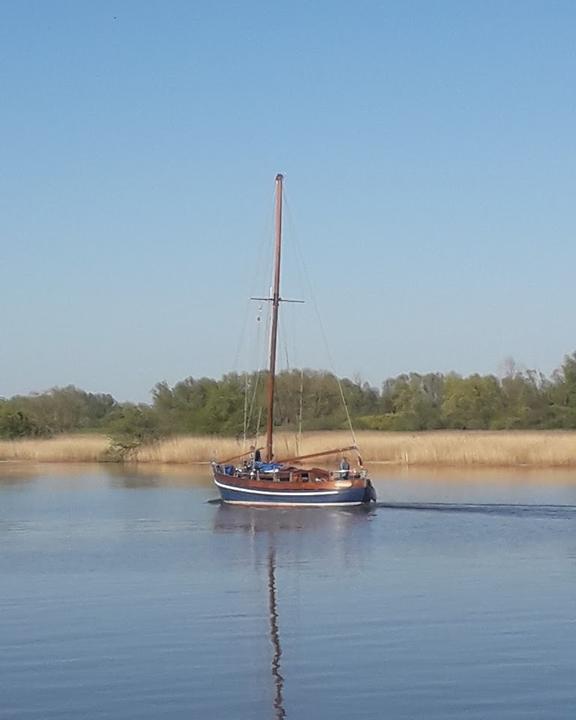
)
(340, 532)
(275, 636)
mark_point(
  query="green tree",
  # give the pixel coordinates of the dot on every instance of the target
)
(15, 424)
(409, 402)
(130, 427)
(524, 397)
(472, 403)
(562, 395)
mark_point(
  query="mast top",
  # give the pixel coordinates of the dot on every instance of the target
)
(279, 177)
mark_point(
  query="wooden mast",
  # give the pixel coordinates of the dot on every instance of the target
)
(275, 305)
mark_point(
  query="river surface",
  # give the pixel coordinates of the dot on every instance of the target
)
(127, 594)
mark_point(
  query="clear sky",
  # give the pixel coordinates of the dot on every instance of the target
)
(429, 149)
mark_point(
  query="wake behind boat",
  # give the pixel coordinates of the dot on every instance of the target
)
(293, 481)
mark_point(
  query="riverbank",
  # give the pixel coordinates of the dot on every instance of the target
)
(442, 448)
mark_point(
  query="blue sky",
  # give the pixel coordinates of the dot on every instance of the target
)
(430, 160)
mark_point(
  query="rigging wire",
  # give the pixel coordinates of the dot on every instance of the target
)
(257, 433)
(304, 271)
(254, 355)
(258, 374)
(300, 413)
(299, 409)
(255, 375)
(262, 265)
(289, 345)
(245, 411)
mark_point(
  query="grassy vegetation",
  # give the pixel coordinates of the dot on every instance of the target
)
(520, 419)
(442, 448)
(64, 448)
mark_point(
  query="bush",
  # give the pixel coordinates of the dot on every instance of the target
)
(16, 424)
(131, 427)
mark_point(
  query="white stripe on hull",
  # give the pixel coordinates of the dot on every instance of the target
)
(286, 504)
(311, 493)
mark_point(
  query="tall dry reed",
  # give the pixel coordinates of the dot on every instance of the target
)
(481, 449)
(65, 448)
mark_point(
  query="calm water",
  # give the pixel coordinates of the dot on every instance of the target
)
(129, 595)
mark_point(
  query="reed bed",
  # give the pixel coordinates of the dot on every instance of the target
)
(466, 448)
(64, 448)
(486, 449)
(442, 448)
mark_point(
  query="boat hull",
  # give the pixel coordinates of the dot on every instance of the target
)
(235, 491)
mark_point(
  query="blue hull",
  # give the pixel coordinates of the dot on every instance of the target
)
(285, 498)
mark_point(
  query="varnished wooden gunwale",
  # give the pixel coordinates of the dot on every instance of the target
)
(247, 483)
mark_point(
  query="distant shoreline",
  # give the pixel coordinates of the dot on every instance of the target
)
(462, 448)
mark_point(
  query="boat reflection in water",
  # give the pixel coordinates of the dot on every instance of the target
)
(274, 527)
(276, 520)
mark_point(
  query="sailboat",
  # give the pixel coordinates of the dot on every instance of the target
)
(292, 481)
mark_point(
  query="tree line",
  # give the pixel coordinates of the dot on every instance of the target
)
(306, 399)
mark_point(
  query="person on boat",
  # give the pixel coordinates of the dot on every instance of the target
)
(255, 456)
(344, 468)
